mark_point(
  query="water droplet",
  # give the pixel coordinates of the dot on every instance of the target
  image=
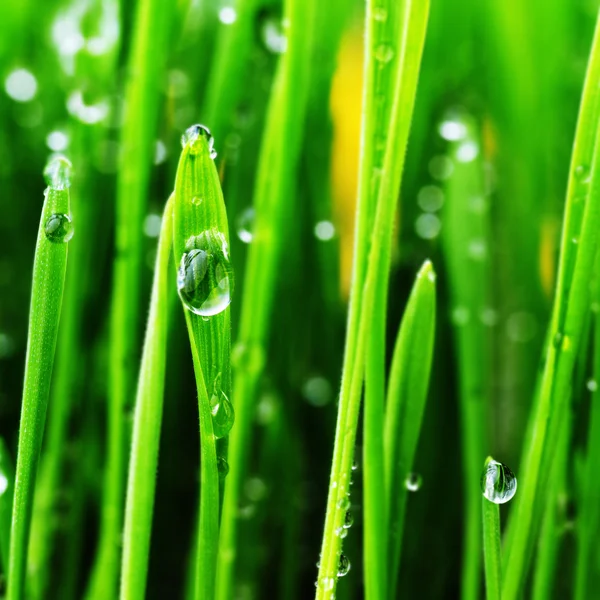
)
(206, 319)
(384, 53)
(460, 316)
(272, 33)
(192, 137)
(247, 357)
(152, 224)
(58, 228)
(227, 15)
(355, 465)
(205, 276)
(348, 520)
(222, 467)
(477, 249)
(343, 566)
(468, 151)
(575, 240)
(21, 85)
(3, 483)
(441, 167)
(221, 409)
(582, 173)
(160, 152)
(87, 113)
(592, 385)
(58, 173)
(380, 14)
(341, 532)
(317, 391)
(430, 198)
(326, 583)
(7, 345)
(324, 231)
(344, 503)
(428, 226)
(498, 482)
(57, 141)
(452, 129)
(255, 489)
(478, 205)
(245, 225)
(196, 200)
(413, 482)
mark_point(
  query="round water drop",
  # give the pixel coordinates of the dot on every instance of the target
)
(58, 228)
(21, 85)
(317, 391)
(245, 225)
(344, 503)
(326, 583)
(3, 483)
(428, 226)
(430, 198)
(341, 532)
(205, 276)
(477, 249)
(192, 137)
(452, 129)
(557, 339)
(467, 151)
(582, 173)
(272, 33)
(160, 152)
(348, 520)
(488, 316)
(222, 411)
(57, 141)
(324, 231)
(196, 200)
(413, 482)
(58, 173)
(384, 53)
(227, 15)
(222, 467)
(441, 167)
(248, 357)
(152, 224)
(343, 566)
(592, 385)
(498, 482)
(460, 316)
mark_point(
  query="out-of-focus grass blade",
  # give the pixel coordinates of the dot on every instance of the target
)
(578, 249)
(7, 486)
(145, 70)
(406, 398)
(466, 245)
(273, 195)
(147, 422)
(205, 282)
(49, 269)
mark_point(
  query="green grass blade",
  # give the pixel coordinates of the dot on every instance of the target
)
(578, 248)
(491, 548)
(146, 63)
(7, 486)
(466, 244)
(406, 59)
(200, 225)
(147, 423)
(46, 299)
(273, 197)
(406, 398)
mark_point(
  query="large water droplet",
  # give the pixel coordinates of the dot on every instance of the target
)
(498, 482)
(192, 137)
(343, 566)
(205, 276)
(57, 173)
(245, 225)
(413, 482)
(221, 409)
(222, 467)
(58, 228)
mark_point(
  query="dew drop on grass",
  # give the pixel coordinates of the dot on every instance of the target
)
(227, 15)
(317, 391)
(343, 566)
(498, 482)
(222, 467)
(196, 200)
(245, 225)
(460, 316)
(57, 141)
(57, 173)
(380, 14)
(428, 226)
(348, 520)
(192, 137)
(413, 482)
(341, 532)
(344, 503)
(557, 339)
(205, 276)
(326, 583)
(430, 198)
(384, 53)
(272, 33)
(21, 85)
(582, 173)
(3, 483)
(324, 231)
(441, 167)
(248, 357)
(222, 411)
(477, 249)
(467, 151)
(452, 129)
(58, 228)
(592, 385)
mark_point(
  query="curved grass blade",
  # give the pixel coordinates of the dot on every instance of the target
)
(273, 195)
(49, 270)
(146, 62)
(582, 218)
(370, 282)
(7, 486)
(201, 233)
(143, 463)
(491, 546)
(406, 398)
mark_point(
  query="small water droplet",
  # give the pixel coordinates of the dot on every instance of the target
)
(3, 483)
(430, 198)
(575, 240)
(344, 503)
(57, 141)
(272, 33)
(592, 385)
(477, 249)
(57, 173)
(317, 391)
(341, 532)
(343, 566)
(245, 225)
(348, 520)
(326, 583)
(557, 339)
(206, 319)
(192, 137)
(205, 276)
(380, 14)
(58, 228)
(227, 15)
(413, 482)
(460, 316)
(152, 224)
(355, 465)
(255, 489)
(452, 129)
(428, 226)
(498, 482)
(196, 200)
(441, 167)
(324, 231)
(384, 53)
(21, 85)
(160, 152)
(222, 467)
(468, 151)
(488, 316)
(221, 409)
(247, 357)
(582, 173)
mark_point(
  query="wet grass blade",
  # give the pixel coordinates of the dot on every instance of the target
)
(572, 302)
(273, 197)
(7, 486)
(49, 270)
(147, 423)
(146, 62)
(369, 286)
(406, 398)
(205, 282)
(491, 547)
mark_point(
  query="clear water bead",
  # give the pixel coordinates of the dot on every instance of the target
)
(57, 173)
(205, 276)
(498, 482)
(384, 53)
(58, 228)
(192, 137)
(344, 503)
(245, 225)
(413, 482)
(222, 411)
(348, 520)
(343, 566)
(222, 467)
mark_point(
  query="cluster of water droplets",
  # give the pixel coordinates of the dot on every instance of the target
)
(58, 227)
(498, 482)
(193, 138)
(221, 408)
